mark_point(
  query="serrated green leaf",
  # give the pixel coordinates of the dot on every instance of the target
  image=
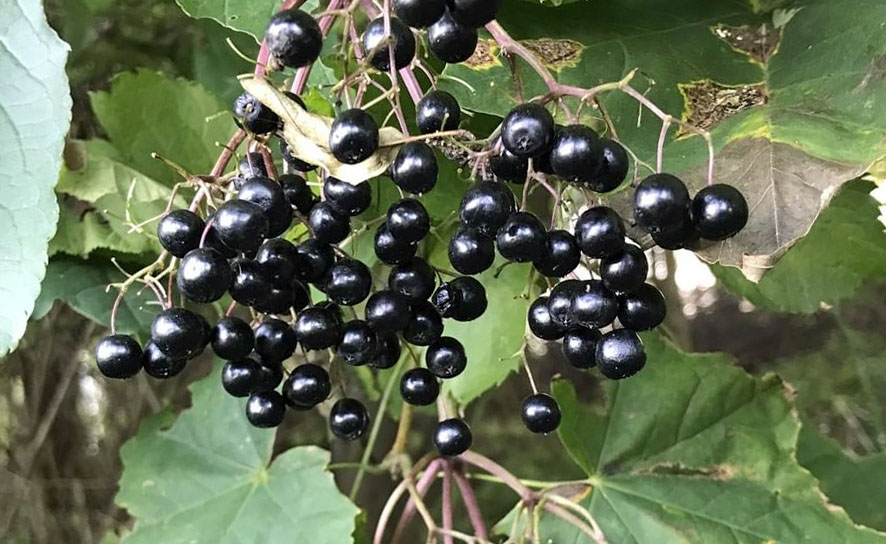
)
(111, 199)
(845, 247)
(209, 478)
(216, 65)
(692, 449)
(249, 17)
(775, 108)
(36, 110)
(846, 479)
(147, 112)
(82, 285)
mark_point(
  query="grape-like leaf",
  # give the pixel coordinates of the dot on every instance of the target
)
(707, 457)
(82, 285)
(243, 15)
(36, 111)
(793, 99)
(112, 206)
(147, 112)
(208, 478)
(845, 248)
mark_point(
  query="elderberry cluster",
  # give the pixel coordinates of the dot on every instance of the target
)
(238, 249)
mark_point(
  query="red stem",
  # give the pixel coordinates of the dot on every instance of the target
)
(471, 505)
(424, 483)
(499, 471)
(447, 502)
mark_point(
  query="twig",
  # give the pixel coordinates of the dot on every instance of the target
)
(471, 505)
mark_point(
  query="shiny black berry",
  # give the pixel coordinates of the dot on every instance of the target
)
(528, 130)
(419, 387)
(643, 309)
(509, 167)
(437, 111)
(328, 225)
(118, 356)
(408, 220)
(298, 193)
(204, 275)
(486, 205)
(348, 282)
(401, 37)
(388, 352)
(451, 41)
(265, 409)
(317, 328)
(560, 256)
(620, 354)
(446, 299)
(415, 168)
(472, 295)
(419, 13)
(274, 340)
(593, 305)
(359, 343)
(521, 238)
(540, 322)
(446, 358)
(347, 198)
(278, 260)
(660, 203)
(682, 237)
(475, 13)
(249, 283)
(254, 116)
(390, 250)
(560, 301)
(232, 338)
(719, 212)
(313, 260)
(348, 419)
(293, 162)
(241, 225)
(293, 38)
(387, 311)
(452, 437)
(580, 347)
(353, 137)
(599, 232)
(307, 386)
(252, 166)
(470, 252)
(268, 195)
(414, 280)
(158, 365)
(575, 155)
(623, 272)
(179, 232)
(178, 332)
(541, 413)
(241, 377)
(612, 169)
(425, 324)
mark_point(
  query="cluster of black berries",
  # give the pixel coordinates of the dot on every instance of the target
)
(576, 310)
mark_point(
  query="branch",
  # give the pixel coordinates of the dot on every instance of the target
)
(471, 505)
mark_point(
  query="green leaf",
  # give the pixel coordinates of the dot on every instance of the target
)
(109, 200)
(845, 247)
(209, 478)
(35, 111)
(846, 479)
(147, 112)
(216, 65)
(82, 285)
(776, 93)
(692, 449)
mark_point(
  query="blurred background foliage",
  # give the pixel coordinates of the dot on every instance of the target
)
(62, 426)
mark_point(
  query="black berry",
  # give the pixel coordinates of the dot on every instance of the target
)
(527, 130)
(253, 115)
(719, 212)
(437, 111)
(347, 198)
(242, 377)
(612, 169)
(593, 305)
(475, 13)
(580, 347)
(414, 280)
(353, 137)
(390, 250)
(540, 322)
(408, 220)
(278, 260)
(241, 225)
(560, 302)
(472, 297)
(387, 311)
(359, 343)
(560, 256)
(401, 37)
(118, 356)
(307, 386)
(541, 413)
(643, 309)
(274, 340)
(388, 352)
(660, 203)
(158, 365)
(452, 437)
(348, 282)
(317, 328)
(450, 40)
(446, 358)
(425, 324)
(313, 260)
(419, 13)
(419, 387)
(265, 409)
(625, 271)
(268, 195)
(179, 232)
(328, 225)
(521, 238)
(293, 38)
(249, 284)
(599, 232)
(232, 338)
(509, 167)
(620, 354)
(470, 252)
(575, 155)
(348, 419)
(298, 193)
(486, 205)
(178, 332)
(415, 168)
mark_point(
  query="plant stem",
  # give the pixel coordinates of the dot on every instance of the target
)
(376, 426)
(446, 499)
(471, 505)
(495, 469)
(417, 491)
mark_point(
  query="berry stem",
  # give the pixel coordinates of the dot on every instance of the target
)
(501, 472)
(659, 150)
(227, 153)
(528, 372)
(446, 502)
(469, 498)
(597, 535)
(388, 509)
(415, 503)
(376, 426)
